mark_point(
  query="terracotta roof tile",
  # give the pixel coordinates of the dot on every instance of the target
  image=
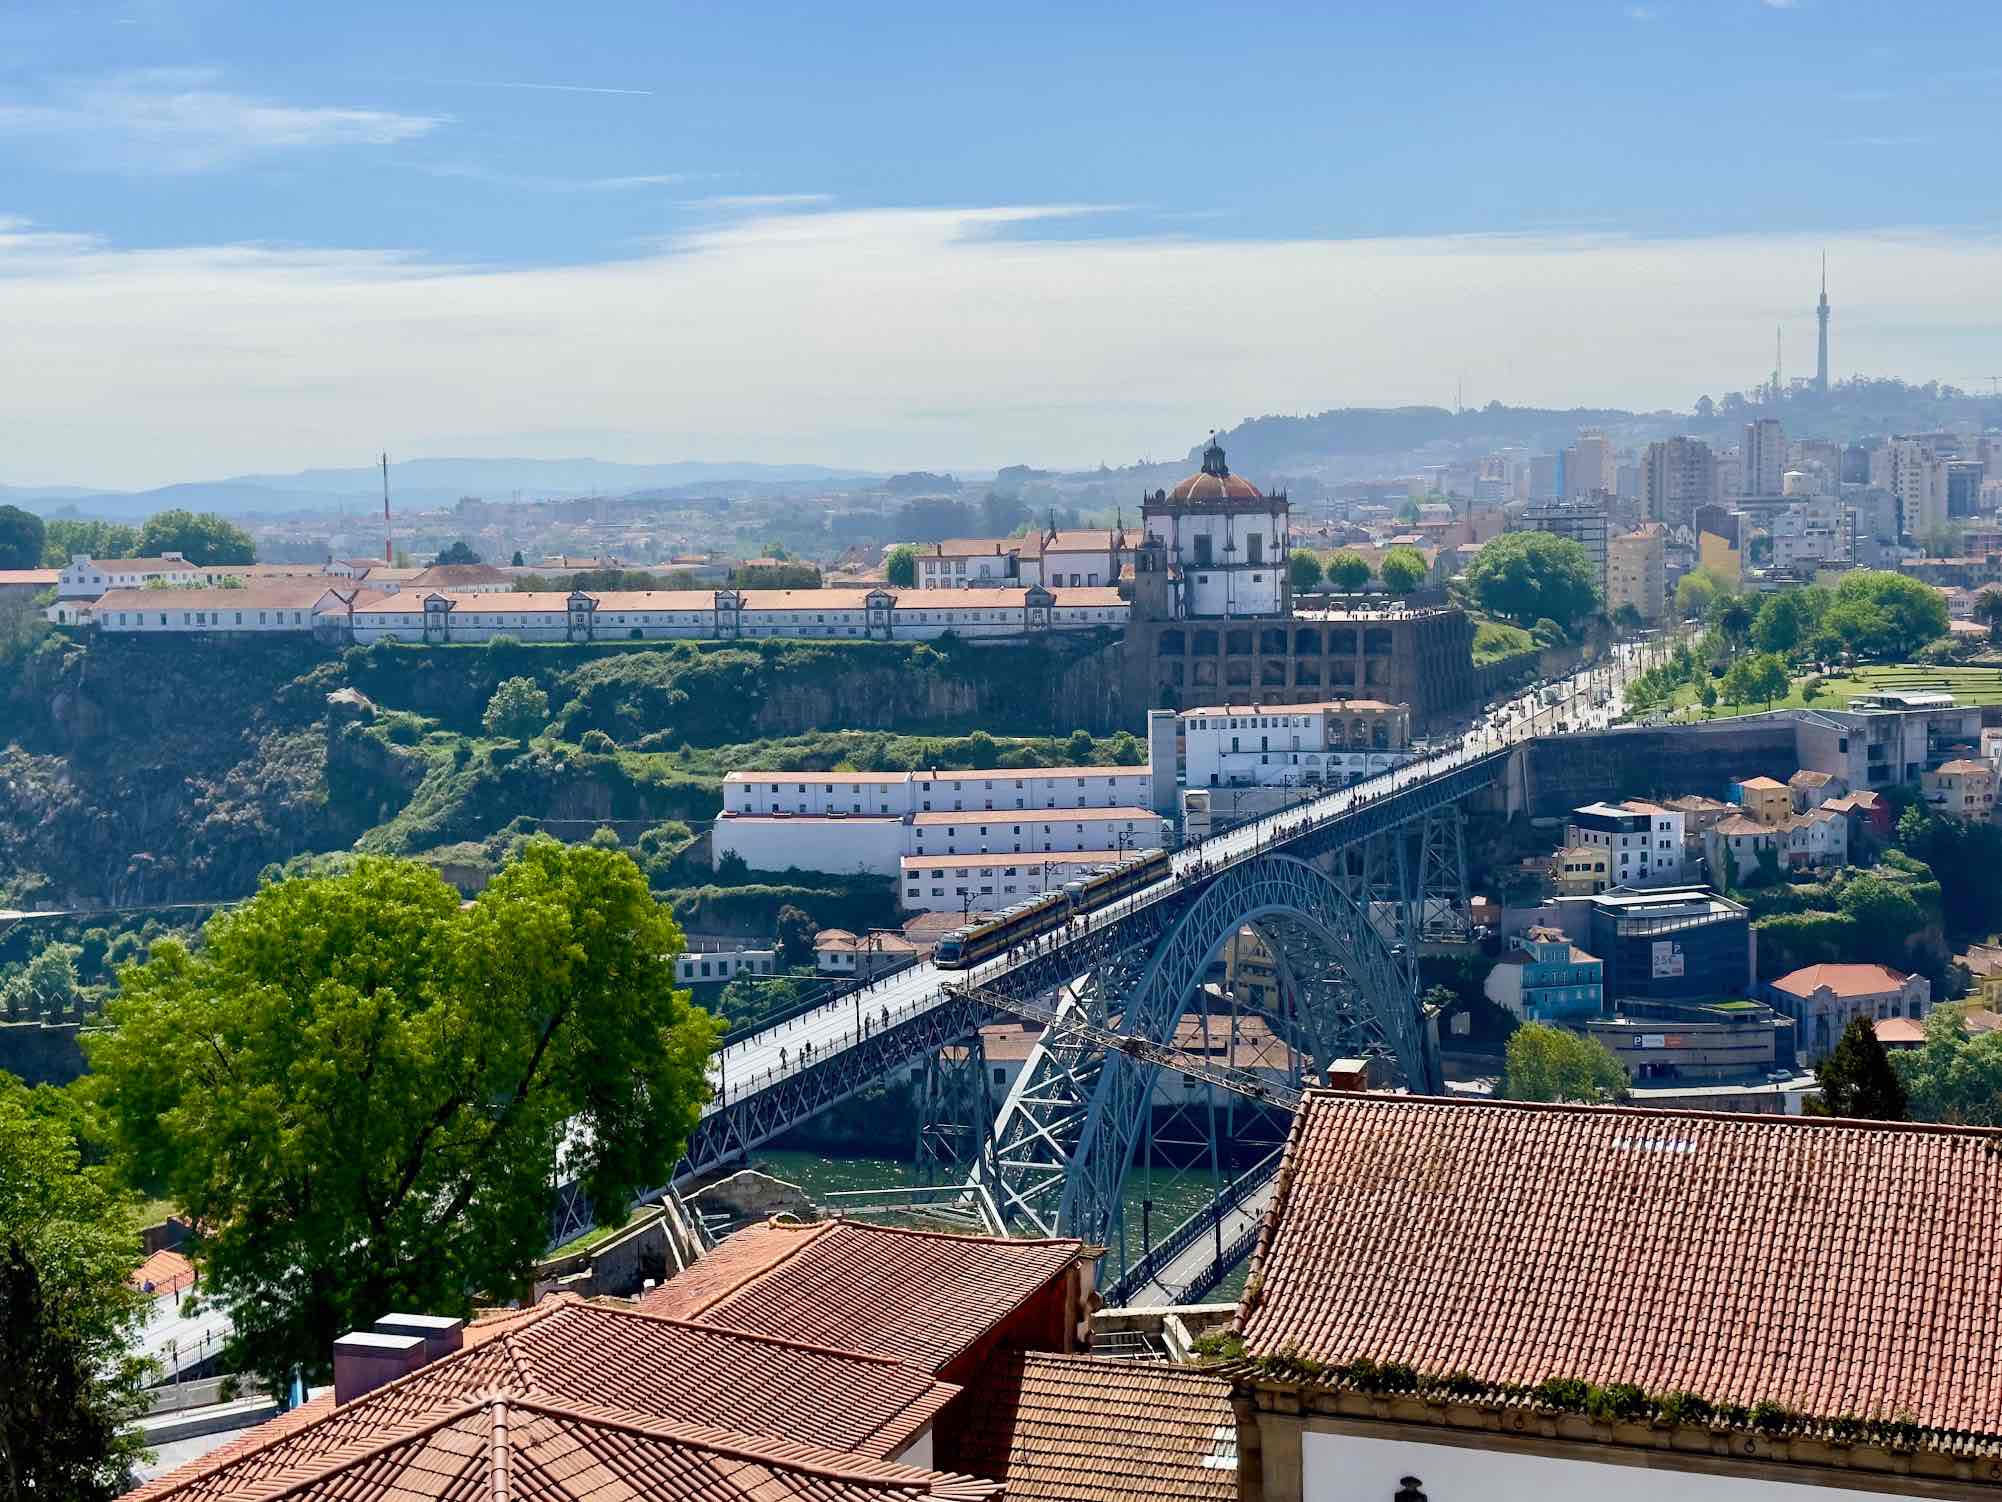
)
(504, 1445)
(1843, 980)
(923, 1297)
(1669, 1249)
(1085, 1429)
(566, 1350)
(166, 1270)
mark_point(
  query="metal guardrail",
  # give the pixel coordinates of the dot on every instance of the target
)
(1164, 1252)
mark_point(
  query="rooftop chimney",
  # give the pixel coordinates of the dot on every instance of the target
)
(365, 1359)
(398, 1345)
(1349, 1074)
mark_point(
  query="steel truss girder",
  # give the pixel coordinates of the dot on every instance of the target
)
(1067, 1134)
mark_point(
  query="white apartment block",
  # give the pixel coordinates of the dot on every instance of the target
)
(1053, 559)
(970, 563)
(1642, 841)
(823, 794)
(1637, 571)
(988, 883)
(728, 614)
(1331, 742)
(876, 844)
(1813, 530)
(257, 608)
(707, 967)
(1765, 458)
(85, 578)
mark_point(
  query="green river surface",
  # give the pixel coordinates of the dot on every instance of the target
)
(820, 1175)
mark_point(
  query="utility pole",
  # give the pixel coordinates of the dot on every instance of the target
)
(388, 555)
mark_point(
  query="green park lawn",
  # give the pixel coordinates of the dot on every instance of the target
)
(1968, 685)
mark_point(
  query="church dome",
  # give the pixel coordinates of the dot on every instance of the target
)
(1215, 482)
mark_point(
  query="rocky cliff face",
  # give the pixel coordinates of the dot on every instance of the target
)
(138, 771)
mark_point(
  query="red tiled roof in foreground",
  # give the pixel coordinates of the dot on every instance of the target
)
(1086, 1429)
(568, 1351)
(503, 1446)
(1813, 1263)
(919, 1296)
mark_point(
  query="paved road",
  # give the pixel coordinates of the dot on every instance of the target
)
(756, 1061)
(1197, 1258)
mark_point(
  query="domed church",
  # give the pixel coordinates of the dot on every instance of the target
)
(1217, 546)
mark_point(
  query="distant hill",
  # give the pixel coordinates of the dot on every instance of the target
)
(416, 484)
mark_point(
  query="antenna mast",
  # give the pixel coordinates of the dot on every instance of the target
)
(388, 557)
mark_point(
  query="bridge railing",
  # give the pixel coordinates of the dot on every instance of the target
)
(1164, 1252)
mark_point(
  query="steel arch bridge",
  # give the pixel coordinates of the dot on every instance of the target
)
(1342, 918)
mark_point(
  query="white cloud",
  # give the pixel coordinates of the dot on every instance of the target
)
(760, 201)
(175, 120)
(909, 338)
(1782, 4)
(1643, 13)
(473, 172)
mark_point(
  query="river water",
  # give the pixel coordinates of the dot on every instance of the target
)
(819, 1175)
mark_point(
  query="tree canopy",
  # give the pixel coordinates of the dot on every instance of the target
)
(900, 566)
(201, 539)
(1403, 570)
(1531, 576)
(518, 709)
(1953, 1076)
(1696, 591)
(459, 552)
(67, 1315)
(1549, 1063)
(22, 538)
(1857, 1078)
(1348, 572)
(1305, 571)
(1988, 611)
(360, 1089)
(795, 929)
(65, 538)
(1875, 613)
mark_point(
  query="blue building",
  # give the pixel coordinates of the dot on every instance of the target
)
(1546, 978)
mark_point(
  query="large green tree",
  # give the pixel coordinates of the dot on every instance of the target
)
(360, 1089)
(70, 1383)
(202, 539)
(459, 552)
(1988, 611)
(1880, 614)
(1695, 593)
(1549, 1063)
(900, 566)
(1953, 1076)
(1403, 570)
(1348, 572)
(1532, 576)
(22, 538)
(518, 709)
(1305, 571)
(1857, 1078)
(64, 539)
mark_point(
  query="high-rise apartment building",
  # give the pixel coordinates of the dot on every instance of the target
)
(1765, 458)
(1917, 478)
(1584, 522)
(1963, 487)
(1543, 476)
(1637, 571)
(1589, 466)
(1813, 530)
(1677, 476)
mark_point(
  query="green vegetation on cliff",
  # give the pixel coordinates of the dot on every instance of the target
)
(151, 771)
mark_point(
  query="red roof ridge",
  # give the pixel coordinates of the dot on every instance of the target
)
(711, 1327)
(1742, 1118)
(794, 1455)
(928, 1233)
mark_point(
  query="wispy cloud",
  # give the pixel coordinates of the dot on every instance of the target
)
(1782, 4)
(176, 120)
(1061, 346)
(759, 201)
(543, 88)
(1884, 141)
(1643, 13)
(539, 183)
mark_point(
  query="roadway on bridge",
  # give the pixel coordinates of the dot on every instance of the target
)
(755, 1062)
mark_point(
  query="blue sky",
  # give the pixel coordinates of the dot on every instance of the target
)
(518, 174)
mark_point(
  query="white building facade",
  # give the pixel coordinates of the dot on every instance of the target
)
(726, 614)
(1335, 741)
(1643, 841)
(904, 793)
(988, 883)
(1226, 542)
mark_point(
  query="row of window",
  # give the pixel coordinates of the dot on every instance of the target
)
(212, 617)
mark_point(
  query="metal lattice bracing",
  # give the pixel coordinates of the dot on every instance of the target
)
(955, 1126)
(1444, 909)
(1069, 1130)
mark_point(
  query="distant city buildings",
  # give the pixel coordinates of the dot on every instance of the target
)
(1584, 521)
(1677, 476)
(1637, 572)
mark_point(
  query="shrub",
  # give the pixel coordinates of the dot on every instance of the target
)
(599, 742)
